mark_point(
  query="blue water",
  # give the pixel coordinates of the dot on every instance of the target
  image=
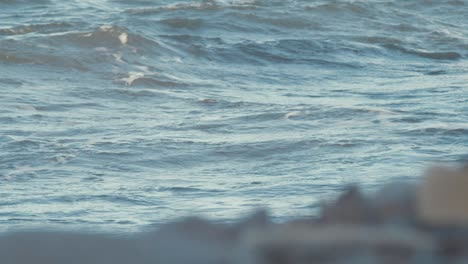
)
(120, 114)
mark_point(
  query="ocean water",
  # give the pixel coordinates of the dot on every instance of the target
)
(116, 115)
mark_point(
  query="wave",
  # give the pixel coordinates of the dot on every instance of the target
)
(203, 6)
(137, 93)
(187, 23)
(118, 199)
(265, 149)
(284, 51)
(448, 55)
(258, 21)
(11, 82)
(35, 28)
(25, 2)
(83, 50)
(382, 40)
(461, 131)
(14, 59)
(101, 43)
(24, 143)
(312, 52)
(104, 36)
(63, 107)
(187, 190)
(150, 79)
(37, 55)
(226, 104)
(405, 27)
(342, 7)
(396, 44)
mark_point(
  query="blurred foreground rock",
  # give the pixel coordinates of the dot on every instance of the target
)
(338, 244)
(423, 223)
(443, 197)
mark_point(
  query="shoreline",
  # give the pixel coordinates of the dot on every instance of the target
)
(425, 222)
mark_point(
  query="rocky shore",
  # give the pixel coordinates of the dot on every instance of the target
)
(423, 223)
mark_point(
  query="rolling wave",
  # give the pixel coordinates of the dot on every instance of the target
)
(154, 106)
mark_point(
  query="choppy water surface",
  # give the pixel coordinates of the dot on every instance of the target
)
(118, 114)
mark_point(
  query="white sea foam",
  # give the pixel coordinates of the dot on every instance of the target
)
(293, 114)
(123, 38)
(132, 76)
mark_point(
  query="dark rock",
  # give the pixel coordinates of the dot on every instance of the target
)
(351, 207)
(395, 204)
(336, 244)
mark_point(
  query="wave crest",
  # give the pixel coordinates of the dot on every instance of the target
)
(447, 55)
